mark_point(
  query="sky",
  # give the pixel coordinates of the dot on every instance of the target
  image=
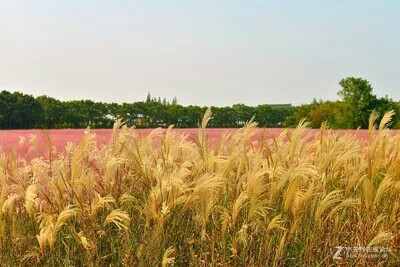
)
(203, 52)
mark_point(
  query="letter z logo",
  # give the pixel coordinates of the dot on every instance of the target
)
(339, 250)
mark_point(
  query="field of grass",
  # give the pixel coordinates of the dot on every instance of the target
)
(288, 200)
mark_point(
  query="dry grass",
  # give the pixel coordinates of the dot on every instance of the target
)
(284, 201)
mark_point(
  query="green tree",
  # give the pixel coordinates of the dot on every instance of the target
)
(19, 111)
(148, 98)
(263, 113)
(385, 104)
(243, 114)
(54, 112)
(357, 95)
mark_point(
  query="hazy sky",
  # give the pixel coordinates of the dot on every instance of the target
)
(204, 52)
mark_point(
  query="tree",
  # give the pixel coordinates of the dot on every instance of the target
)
(148, 98)
(263, 113)
(19, 111)
(243, 113)
(7, 104)
(54, 112)
(174, 115)
(357, 95)
(192, 116)
(385, 104)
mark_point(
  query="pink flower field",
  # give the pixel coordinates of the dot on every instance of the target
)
(9, 139)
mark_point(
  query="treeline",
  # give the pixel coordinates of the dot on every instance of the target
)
(22, 111)
(352, 112)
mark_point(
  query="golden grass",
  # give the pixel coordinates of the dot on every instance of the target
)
(166, 200)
